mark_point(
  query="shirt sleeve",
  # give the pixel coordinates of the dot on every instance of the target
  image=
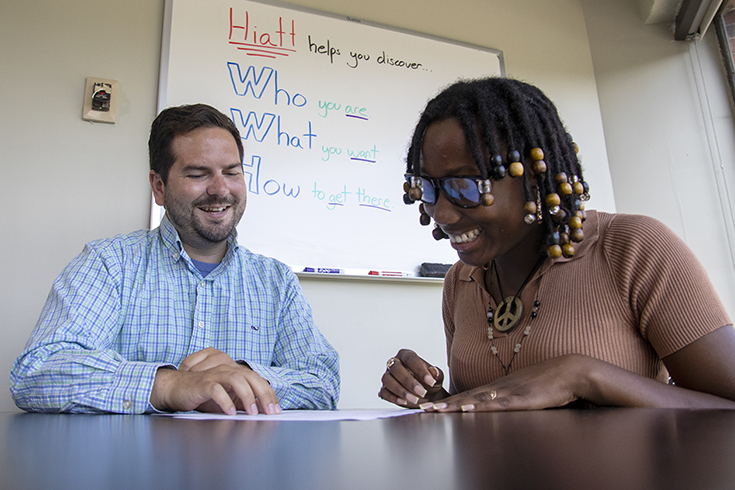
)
(305, 370)
(663, 282)
(68, 364)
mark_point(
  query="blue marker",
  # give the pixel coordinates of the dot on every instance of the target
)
(322, 270)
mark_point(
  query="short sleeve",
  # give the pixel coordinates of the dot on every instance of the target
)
(663, 281)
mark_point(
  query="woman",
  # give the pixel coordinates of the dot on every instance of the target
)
(550, 303)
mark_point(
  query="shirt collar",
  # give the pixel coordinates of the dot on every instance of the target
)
(591, 229)
(172, 242)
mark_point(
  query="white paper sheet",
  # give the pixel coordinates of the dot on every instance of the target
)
(301, 415)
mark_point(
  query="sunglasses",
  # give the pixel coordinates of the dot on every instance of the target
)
(463, 192)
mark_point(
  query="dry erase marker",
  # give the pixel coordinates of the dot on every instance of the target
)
(322, 270)
(389, 274)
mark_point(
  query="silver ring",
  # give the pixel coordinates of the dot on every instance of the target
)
(493, 395)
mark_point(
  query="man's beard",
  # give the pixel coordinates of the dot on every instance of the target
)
(187, 222)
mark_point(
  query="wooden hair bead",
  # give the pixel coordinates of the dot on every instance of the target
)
(561, 178)
(438, 233)
(576, 147)
(538, 166)
(425, 219)
(530, 207)
(407, 199)
(553, 238)
(554, 251)
(575, 223)
(406, 187)
(577, 235)
(487, 199)
(551, 199)
(537, 154)
(516, 169)
(567, 250)
(414, 193)
(578, 188)
(565, 188)
(564, 238)
(559, 215)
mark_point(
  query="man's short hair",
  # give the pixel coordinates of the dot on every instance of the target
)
(175, 121)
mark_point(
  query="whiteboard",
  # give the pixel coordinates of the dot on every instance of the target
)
(326, 107)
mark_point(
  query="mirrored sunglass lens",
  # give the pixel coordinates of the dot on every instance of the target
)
(428, 193)
(461, 191)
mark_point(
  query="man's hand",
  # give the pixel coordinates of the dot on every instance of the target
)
(211, 381)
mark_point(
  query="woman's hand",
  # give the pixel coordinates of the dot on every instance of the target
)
(552, 383)
(410, 381)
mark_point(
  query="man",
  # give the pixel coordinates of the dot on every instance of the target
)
(180, 317)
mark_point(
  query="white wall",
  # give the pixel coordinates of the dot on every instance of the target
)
(66, 181)
(669, 130)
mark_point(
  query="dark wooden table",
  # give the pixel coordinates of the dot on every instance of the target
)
(619, 449)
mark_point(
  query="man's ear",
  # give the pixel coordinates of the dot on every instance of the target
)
(157, 186)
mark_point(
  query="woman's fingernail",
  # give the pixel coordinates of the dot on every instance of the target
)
(439, 406)
(429, 380)
(401, 401)
(253, 409)
(412, 398)
(468, 408)
(420, 391)
(426, 406)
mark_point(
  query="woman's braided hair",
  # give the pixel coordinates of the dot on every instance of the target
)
(523, 118)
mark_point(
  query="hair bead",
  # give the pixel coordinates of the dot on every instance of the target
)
(553, 199)
(438, 233)
(567, 250)
(424, 217)
(516, 169)
(487, 199)
(531, 210)
(554, 251)
(538, 167)
(537, 154)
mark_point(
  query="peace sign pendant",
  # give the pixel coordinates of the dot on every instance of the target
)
(508, 314)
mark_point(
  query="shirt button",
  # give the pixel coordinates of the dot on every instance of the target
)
(127, 404)
(200, 324)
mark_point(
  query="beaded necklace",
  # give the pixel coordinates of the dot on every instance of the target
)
(514, 308)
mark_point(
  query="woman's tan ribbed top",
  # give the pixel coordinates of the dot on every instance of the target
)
(632, 294)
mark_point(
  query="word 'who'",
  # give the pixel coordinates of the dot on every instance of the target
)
(256, 83)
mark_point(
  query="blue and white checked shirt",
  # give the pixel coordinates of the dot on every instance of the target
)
(128, 305)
